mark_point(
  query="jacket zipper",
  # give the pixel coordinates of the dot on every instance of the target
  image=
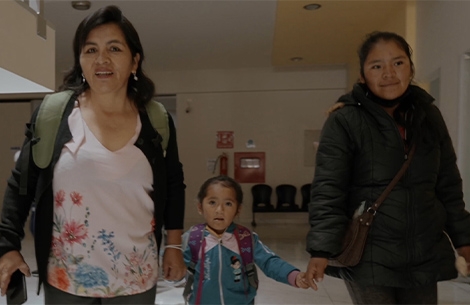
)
(409, 204)
(220, 274)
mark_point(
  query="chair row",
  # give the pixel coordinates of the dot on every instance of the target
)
(285, 194)
(285, 202)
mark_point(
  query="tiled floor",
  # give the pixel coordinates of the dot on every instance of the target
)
(287, 240)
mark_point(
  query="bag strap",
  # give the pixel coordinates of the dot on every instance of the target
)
(246, 247)
(47, 125)
(245, 244)
(373, 209)
(195, 239)
(159, 118)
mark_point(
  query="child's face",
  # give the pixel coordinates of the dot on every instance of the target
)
(219, 207)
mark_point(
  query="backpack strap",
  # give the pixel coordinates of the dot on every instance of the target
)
(245, 241)
(195, 240)
(47, 125)
(196, 236)
(159, 118)
(50, 114)
(246, 246)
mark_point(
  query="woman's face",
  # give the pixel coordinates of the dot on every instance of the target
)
(387, 70)
(106, 60)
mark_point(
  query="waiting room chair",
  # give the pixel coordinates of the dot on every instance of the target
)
(286, 198)
(261, 199)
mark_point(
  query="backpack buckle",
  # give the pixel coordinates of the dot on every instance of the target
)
(252, 275)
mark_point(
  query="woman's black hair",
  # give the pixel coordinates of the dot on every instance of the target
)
(373, 38)
(224, 181)
(140, 91)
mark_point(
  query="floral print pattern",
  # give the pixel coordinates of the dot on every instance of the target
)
(69, 269)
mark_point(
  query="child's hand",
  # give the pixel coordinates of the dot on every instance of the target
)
(300, 280)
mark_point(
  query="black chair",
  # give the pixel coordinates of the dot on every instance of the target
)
(286, 198)
(261, 199)
(305, 191)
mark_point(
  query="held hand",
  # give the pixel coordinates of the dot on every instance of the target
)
(173, 267)
(465, 252)
(300, 281)
(315, 271)
(9, 263)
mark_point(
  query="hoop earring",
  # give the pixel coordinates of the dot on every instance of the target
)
(83, 79)
(135, 76)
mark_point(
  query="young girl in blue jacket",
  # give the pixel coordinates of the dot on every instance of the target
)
(223, 279)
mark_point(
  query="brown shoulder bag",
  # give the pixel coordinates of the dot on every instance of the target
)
(358, 229)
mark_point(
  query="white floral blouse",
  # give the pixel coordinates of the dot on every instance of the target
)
(103, 240)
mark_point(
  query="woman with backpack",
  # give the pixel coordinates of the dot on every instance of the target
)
(107, 187)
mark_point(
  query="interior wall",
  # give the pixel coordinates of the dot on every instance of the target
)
(22, 48)
(274, 120)
(442, 38)
(237, 80)
(271, 108)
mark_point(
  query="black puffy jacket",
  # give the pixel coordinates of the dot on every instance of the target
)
(360, 152)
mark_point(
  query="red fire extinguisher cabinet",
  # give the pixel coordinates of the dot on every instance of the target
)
(249, 167)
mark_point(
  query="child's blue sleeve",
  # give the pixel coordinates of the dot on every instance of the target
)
(272, 265)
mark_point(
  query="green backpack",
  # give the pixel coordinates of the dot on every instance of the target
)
(50, 115)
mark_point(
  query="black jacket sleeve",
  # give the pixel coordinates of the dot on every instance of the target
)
(16, 207)
(449, 186)
(175, 203)
(328, 218)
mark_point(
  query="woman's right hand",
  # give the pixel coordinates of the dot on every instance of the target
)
(9, 263)
(315, 271)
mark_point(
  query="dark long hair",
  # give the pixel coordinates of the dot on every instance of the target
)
(140, 91)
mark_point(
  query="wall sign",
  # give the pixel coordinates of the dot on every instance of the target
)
(224, 139)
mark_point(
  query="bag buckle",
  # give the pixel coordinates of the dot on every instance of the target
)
(371, 211)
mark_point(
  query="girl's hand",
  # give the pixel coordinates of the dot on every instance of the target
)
(300, 280)
(465, 252)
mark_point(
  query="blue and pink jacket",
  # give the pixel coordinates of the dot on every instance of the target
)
(223, 280)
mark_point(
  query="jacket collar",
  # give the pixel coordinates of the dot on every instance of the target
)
(358, 97)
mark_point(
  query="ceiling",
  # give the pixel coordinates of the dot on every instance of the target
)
(235, 34)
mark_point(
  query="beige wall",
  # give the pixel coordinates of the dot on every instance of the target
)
(271, 108)
(443, 36)
(22, 51)
(274, 120)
